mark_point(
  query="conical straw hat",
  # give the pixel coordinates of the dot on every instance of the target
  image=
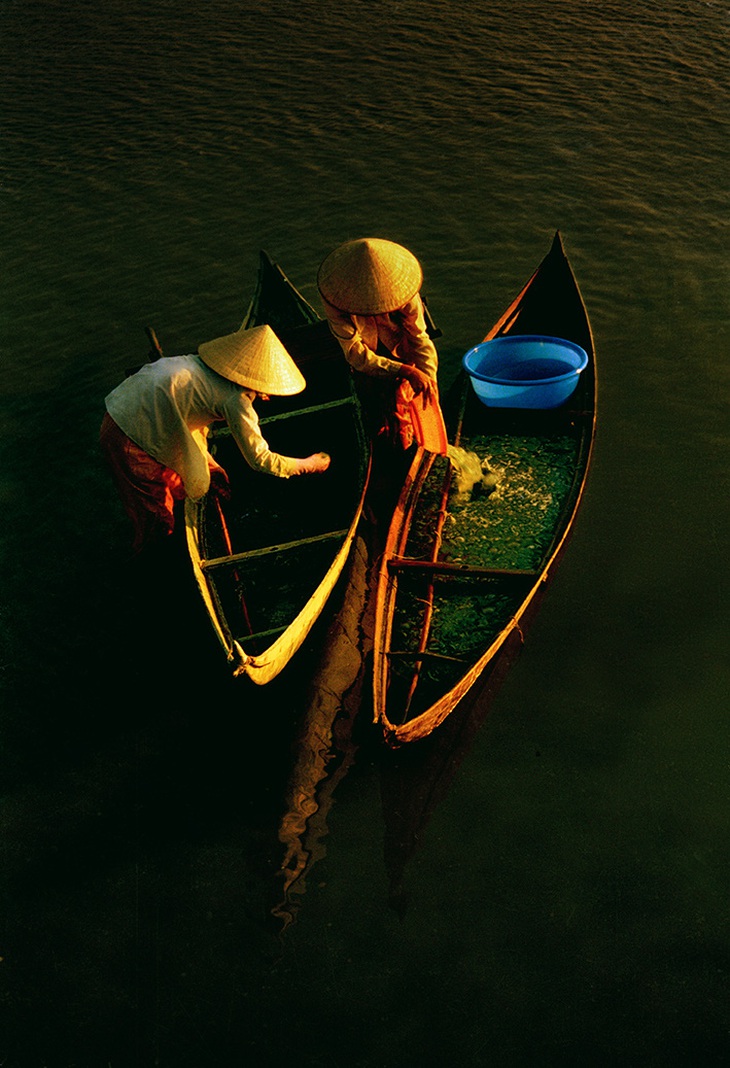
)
(255, 358)
(369, 276)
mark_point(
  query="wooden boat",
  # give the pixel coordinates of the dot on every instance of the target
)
(458, 582)
(266, 567)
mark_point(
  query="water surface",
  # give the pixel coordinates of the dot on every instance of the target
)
(546, 884)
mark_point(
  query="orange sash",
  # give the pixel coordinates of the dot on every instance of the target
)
(420, 420)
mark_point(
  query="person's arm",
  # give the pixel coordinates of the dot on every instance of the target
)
(357, 353)
(244, 425)
(420, 349)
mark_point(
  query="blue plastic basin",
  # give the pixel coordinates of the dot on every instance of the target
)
(525, 371)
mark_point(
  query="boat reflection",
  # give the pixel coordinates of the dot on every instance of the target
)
(326, 746)
(415, 778)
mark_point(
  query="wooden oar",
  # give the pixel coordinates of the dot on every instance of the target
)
(156, 351)
(236, 576)
(154, 354)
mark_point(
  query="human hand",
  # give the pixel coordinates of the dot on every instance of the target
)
(219, 484)
(317, 462)
(419, 381)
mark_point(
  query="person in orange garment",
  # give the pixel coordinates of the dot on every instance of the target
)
(154, 432)
(370, 290)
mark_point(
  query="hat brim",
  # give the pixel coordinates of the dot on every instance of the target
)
(369, 276)
(254, 358)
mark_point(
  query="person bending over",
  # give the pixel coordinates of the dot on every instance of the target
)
(370, 290)
(154, 432)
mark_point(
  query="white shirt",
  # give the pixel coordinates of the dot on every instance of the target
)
(167, 407)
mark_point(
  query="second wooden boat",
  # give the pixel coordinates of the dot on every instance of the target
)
(266, 562)
(459, 580)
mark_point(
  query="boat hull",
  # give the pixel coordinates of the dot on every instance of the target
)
(460, 579)
(266, 561)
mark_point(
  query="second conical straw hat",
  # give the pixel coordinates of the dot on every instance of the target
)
(255, 358)
(369, 276)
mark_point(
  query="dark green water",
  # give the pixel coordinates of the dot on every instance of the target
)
(549, 889)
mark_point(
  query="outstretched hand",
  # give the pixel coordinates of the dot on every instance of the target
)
(317, 462)
(219, 484)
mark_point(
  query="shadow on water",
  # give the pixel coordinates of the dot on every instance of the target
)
(416, 778)
(140, 824)
(160, 819)
(142, 789)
